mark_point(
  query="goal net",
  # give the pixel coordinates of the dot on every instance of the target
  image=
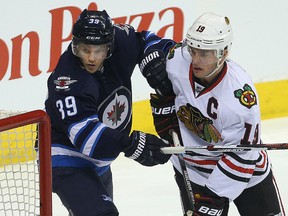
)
(25, 164)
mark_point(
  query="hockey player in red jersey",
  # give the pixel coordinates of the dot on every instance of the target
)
(216, 103)
(90, 106)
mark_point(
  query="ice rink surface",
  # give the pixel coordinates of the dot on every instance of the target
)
(151, 191)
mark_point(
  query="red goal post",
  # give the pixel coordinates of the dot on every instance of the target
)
(25, 167)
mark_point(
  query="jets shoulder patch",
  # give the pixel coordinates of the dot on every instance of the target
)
(63, 83)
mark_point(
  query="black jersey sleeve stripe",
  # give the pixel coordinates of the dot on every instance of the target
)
(232, 176)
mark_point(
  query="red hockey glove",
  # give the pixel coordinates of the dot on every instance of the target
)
(164, 116)
(208, 203)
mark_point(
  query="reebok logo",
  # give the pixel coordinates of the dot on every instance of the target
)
(106, 198)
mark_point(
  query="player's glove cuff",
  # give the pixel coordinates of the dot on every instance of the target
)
(146, 149)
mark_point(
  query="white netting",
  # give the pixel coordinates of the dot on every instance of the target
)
(19, 176)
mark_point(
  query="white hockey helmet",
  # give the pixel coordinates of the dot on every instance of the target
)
(211, 32)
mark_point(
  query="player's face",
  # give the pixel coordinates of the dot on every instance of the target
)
(203, 61)
(92, 56)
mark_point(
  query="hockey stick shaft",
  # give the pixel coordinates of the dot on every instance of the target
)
(232, 148)
(187, 182)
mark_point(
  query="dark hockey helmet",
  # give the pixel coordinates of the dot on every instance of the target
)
(94, 27)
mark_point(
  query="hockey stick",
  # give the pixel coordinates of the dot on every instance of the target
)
(187, 182)
(232, 148)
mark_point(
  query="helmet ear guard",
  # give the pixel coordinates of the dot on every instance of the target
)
(211, 32)
(93, 27)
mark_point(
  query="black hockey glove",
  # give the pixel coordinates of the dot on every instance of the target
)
(153, 68)
(164, 116)
(208, 203)
(146, 149)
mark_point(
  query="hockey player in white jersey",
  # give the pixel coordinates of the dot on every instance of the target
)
(216, 103)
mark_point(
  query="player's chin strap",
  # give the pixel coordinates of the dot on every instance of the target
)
(217, 66)
(71, 213)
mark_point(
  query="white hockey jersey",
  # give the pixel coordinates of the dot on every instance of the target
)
(224, 113)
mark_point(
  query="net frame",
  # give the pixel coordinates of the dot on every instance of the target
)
(44, 151)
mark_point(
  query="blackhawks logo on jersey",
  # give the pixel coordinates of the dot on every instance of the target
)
(195, 121)
(247, 96)
(172, 50)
